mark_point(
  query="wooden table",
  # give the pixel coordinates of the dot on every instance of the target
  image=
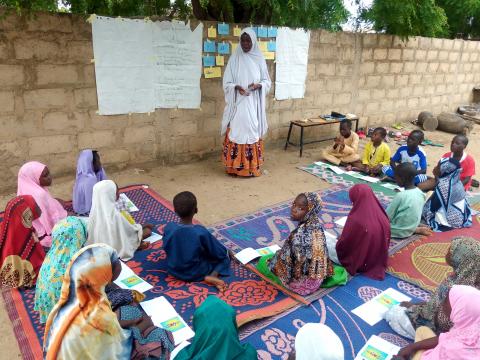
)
(310, 123)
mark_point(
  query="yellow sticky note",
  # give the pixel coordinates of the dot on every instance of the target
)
(220, 60)
(234, 46)
(212, 72)
(236, 31)
(269, 55)
(263, 45)
(212, 32)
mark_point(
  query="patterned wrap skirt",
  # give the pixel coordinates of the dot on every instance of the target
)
(242, 159)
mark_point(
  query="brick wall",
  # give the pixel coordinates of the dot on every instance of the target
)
(48, 98)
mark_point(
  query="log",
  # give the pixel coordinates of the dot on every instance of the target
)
(427, 121)
(454, 123)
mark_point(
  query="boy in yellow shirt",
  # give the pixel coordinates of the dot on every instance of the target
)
(375, 156)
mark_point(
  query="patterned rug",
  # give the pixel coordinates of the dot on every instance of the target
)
(422, 262)
(272, 225)
(275, 339)
(252, 297)
(343, 179)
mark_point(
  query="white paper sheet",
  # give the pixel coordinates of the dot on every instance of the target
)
(164, 316)
(341, 222)
(291, 63)
(153, 238)
(141, 65)
(130, 205)
(248, 254)
(130, 281)
(377, 349)
(374, 310)
(392, 186)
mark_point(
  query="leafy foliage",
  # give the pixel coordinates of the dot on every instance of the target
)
(463, 17)
(408, 18)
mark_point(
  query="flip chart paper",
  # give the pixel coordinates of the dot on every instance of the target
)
(130, 281)
(291, 63)
(164, 316)
(375, 309)
(223, 29)
(377, 348)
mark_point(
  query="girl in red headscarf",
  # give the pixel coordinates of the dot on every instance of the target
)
(21, 255)
(363, 245)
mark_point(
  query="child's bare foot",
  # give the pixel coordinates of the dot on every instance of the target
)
(423, 230)
(143, 245)
(215, 281)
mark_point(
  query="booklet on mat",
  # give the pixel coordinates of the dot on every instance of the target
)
(153, 238)
(130, 205)
(335, 169)
(248, 254)
(377, 349)
(363, 177)
(164, 316)
(375, 309)
(130, 281)
(341, 222)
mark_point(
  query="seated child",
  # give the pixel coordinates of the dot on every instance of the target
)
(345, 147)
(405, 211)
(89, 172)
(411, 153)
(457, 151)
(375, 156)
(34, 178)
(193, 253)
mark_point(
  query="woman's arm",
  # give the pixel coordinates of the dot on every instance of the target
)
(411, 349)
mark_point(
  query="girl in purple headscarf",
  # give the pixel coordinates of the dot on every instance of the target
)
(89, 172)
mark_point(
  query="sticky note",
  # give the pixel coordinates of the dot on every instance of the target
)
(209, 46)
(263, 46)
(212, 32)
(223, 29)
(237, 31)
(212, 72)
(223, 48)
(262, 31)
(272, 46)
(269, 55)
(234, 46)
(272, 31)
(209, 60)
(219, 60)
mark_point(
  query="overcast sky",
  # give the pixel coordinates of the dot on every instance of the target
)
(352, 8)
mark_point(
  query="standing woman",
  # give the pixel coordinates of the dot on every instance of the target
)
(246, 83)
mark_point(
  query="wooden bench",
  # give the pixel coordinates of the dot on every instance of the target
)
(312, 123)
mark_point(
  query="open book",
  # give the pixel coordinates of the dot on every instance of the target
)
(248, 254)
(377, 349)
(131, 281)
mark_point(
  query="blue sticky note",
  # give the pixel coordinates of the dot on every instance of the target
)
(208, 60)
(223, 48)
(272, 31)
(223, 29)
(262, 32)
(272, 46)
(208, 46)
(255, 30)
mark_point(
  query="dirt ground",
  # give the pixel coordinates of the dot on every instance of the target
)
(221, 197)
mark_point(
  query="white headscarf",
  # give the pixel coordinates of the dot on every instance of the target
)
(317, 342)
(107, 225)
(243, 69)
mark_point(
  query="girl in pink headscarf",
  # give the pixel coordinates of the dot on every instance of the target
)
(462, 342)
(33, 179)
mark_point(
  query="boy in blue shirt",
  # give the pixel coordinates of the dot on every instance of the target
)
(193, 253)
(411, 153)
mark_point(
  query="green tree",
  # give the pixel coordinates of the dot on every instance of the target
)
(30, 5)
(408, 18)
(463, 17)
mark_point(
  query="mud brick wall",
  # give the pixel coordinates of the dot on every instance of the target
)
(48, 101)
